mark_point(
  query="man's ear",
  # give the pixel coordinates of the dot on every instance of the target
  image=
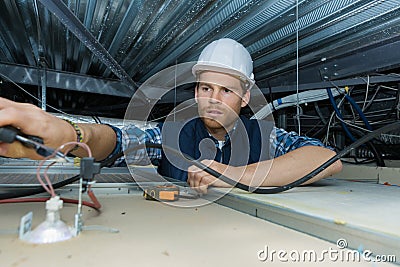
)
(246, 98)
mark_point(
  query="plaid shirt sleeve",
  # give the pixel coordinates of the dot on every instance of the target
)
(283, 142)
(131, 136)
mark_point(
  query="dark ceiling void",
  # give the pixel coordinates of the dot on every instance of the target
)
(94, 53)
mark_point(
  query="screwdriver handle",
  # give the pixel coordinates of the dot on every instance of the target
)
(8, 134)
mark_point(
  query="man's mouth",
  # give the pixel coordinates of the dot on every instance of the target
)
(214, 112)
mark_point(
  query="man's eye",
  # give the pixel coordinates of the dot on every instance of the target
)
(227, 90)
(205, 89)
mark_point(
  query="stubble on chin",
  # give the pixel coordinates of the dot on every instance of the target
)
(211, 123)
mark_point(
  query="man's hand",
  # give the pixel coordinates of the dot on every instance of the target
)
(201, 180)
(31, 120)
(276, 172)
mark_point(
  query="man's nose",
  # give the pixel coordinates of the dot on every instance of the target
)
(215, 97)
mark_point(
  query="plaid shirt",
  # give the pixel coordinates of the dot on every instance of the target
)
(281, 142)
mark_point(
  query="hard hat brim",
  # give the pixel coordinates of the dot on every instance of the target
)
(199, 67)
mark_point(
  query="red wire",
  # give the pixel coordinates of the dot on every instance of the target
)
(49, 187)
(96, 205)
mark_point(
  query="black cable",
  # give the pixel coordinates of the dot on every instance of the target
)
(313, 173)
(357, 162)
(271, 97)
(298, 182)
(364, 139)
(318, 110)
(98, 119)
(378, 156)
(95, 119)
(37, 189)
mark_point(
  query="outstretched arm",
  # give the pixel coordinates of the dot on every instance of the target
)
(31, 120)
(279, 171)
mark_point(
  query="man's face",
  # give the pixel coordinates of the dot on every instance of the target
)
(220, 98)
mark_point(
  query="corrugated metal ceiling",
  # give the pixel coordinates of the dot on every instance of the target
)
(145, 36)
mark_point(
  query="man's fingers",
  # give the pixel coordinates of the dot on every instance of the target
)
(193, 169)
(8, 115)
(200, 186)
(27, 117)
(4, 102)
(196, 179)
(202, 189)
(3, 148)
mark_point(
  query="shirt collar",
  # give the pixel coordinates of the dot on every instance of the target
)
(227, 136)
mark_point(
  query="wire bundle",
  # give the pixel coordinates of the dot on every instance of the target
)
(47, 184)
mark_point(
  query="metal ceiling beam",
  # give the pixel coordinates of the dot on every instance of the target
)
(73, 24)
(78, 82)
(329, 84)
(366, 61)
(192, 39)
(65, 80)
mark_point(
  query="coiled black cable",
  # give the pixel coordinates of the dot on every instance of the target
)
(278, 189)
(283, 188)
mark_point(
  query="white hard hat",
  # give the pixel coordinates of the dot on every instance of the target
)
(227, 56)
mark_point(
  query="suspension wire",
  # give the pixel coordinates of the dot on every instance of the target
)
(297, 67)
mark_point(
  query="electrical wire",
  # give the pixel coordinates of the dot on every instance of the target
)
(48, 187)
(34, 97)
(330, 121)
(338, 113)
(340, 116)
(305, 178)
(278, 189)
(359, 111)
(352, 124)
(37, 189)
(175, 112)
(396, 105)
(390, 88)
(294, 99)
(318, 110)
(366, 93)
(377, 155)
(95, 206)
(367, 106)
(358, 162)
(96, 119)
(360, 132)
(239, 185)
(297, 67)
(355, 129)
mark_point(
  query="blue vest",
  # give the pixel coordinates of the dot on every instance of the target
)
(247, 143)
